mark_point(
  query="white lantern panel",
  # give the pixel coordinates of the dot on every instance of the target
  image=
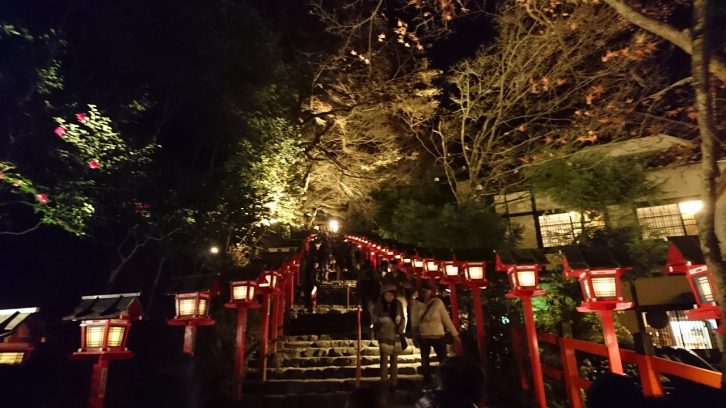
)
(116, 336)
(476, 272)
(527, 279)
(202, 310)
(432, 266)
(604, 287)
(187, 307)
(418, 263)
(11, 357)
(243, 292)
(703, 286)
(452, 270)
(94, 336)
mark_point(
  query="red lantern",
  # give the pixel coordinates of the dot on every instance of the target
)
(523, 268)
(193, 295)
(450, 270)
(105, 324)
(599, 273)
(16, 343)
(475, 273)
(242, 294)
(685, 258)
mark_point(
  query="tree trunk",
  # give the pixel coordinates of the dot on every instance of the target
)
(700, 58)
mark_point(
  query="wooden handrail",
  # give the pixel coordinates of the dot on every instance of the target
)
(358, 351)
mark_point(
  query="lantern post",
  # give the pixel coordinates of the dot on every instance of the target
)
(105, 325)
(523, 268)
(598, 273)
(475, 278)
(451, 276)
(267, 284)
(193, 296)
(16, 338)
(685, 258)
(242, 298)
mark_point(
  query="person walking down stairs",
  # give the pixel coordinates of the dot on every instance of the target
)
(389, 324)
(430, 322)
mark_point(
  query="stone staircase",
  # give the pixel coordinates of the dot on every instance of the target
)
(315, 362)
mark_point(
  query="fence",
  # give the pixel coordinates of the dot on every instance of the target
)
(650, 368)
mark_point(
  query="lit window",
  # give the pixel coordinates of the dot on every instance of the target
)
(669, 220)
(94, 336)
(703, 285)
(11, 357)
(682, 332)
(563, 228)
(186, 307)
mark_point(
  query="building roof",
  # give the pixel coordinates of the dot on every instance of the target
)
(107, 307)
(10, 319)
(640, 146)
(193, 283)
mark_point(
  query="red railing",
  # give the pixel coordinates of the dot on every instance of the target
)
(358, 351)
(649, 368)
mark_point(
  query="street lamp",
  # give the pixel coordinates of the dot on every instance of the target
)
(192, 295)
(16, 343)
(334, 226)
(105, 325)
(214, 250)
(598, 273)
(522, 267)
(242, 297)
(685, 258)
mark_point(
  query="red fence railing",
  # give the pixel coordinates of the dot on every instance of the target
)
(649, 368)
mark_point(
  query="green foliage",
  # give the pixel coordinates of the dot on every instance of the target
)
(591, 181)
(646, 256)
(421, 216)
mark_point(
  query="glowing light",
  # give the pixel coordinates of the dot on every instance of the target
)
(526, 279)
(334, 225)
(604, 287)
(243, 292)
(116, 336)
(703, 285)
(94, 336)
(476, 272)
(187, 307)
(452, 270)
(214, 250)
(11, 357)
(690, 207)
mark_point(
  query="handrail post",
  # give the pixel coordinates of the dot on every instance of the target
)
(570, 372)
(358, 351)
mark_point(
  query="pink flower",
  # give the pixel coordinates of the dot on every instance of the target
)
(94, 164)
(2, 176)
(81, 117)
(60, 131)
(42, 198)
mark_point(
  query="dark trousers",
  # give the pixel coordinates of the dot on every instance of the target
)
(439, 345)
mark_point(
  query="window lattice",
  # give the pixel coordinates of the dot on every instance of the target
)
(667, 220)
(563, 228)
(682, 332)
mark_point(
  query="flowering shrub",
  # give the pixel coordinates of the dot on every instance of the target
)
(95, 153)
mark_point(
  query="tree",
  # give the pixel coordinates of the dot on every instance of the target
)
(538, 90)
(695, 41)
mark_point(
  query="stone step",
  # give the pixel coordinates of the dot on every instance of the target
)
(406, 382)
(337, 399)
(308, 373)
(335, 352)
(340, 361)
(296, 344)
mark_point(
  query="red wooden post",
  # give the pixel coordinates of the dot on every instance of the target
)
(518, 348)
(273, 320)
(479, 315)
(239, 355)
(264, 341)
(99, 378)
(455, 314)
(358, 351)
(649, 378)
(611, 341)
(537, 378)
(190, 336)
(570, 373)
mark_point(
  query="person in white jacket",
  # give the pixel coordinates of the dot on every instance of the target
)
(430, 322)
